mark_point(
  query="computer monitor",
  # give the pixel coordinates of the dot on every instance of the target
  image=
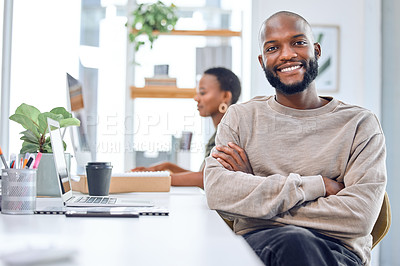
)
(79, 135)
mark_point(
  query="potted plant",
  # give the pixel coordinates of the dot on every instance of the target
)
(35, 136)
(151, 19)
(35, 139)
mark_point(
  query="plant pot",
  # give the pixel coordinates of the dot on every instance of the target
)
(46, 180)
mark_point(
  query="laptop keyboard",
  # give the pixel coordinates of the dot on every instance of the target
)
(97, 200)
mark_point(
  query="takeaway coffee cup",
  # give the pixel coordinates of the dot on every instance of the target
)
(98, 176)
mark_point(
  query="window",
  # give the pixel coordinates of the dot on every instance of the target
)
(44, 47)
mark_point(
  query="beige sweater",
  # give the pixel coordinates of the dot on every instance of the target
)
(289, 151)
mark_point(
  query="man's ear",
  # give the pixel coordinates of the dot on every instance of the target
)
(317, 50)
(260, 60)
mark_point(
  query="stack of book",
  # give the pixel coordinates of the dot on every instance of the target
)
(160, 81)
(160, 78)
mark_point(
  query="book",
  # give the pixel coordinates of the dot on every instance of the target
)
(160, 81)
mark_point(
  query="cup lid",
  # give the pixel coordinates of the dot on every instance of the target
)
(98, 164)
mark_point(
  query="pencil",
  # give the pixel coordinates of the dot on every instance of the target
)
(3, 159)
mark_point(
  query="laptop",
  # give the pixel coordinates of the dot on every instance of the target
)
(64, 179)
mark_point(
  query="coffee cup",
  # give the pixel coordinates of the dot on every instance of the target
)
(98, 176)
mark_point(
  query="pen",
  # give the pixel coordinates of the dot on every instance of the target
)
(37, 160)
(25, 160)
(13, 157)
(3, 159)
(30, 160)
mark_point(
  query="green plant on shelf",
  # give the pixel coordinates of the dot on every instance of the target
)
(151, 19)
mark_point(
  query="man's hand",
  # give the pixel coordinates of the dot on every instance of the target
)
(233, 158)
(331, 186)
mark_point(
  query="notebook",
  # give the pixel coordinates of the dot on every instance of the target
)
(64, 179)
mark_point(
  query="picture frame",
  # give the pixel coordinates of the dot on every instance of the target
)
(328, 36)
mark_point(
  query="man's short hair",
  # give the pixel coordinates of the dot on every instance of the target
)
(280, 13)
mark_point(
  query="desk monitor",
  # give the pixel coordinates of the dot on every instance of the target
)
(79, 135)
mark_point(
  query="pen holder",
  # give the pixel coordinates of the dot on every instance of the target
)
(18, 191)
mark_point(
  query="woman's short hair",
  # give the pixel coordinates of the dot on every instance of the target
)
(228, 81)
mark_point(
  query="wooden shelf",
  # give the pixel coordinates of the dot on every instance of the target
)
(217, 33)
(162, 92)
(172, 91)
(221, 33)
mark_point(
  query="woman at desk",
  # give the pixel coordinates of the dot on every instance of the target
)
(218, 89)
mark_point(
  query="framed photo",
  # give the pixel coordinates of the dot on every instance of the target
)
(328, 69)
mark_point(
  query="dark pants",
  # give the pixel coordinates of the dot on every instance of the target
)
(292, 245)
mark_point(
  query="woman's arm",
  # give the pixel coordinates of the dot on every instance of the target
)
(179, 176)
(187, 179)
(164, 166)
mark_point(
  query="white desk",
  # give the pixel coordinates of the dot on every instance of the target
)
(192, 234)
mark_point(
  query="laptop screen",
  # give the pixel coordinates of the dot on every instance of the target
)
(59, 157)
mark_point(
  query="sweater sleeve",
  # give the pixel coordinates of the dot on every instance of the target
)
(251, 195)
(353, 211)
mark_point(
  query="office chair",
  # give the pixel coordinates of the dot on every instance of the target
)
(381, 226)
(383, 222)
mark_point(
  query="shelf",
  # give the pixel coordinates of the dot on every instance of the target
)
(217, 33)
(172, 91)
(162, 92)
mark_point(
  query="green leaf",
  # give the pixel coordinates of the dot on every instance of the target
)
(34, 137)
(28, 111)
(70, 122)
(148, 18)
(43, 121)
(29, 141)
(46, 148)
(27, 123)
(29, 147)
(26, 139)
(61, 111)
(29, 136)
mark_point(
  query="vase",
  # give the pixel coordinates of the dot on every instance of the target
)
(46, 179)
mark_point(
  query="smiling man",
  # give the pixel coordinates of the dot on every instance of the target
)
(302, 176)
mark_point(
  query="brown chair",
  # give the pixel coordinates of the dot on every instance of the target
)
(383, 222)
(381, 226)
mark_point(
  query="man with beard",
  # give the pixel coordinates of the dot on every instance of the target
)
(301, 176)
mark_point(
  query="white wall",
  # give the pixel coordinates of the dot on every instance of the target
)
(359, 61)
(391, 127)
